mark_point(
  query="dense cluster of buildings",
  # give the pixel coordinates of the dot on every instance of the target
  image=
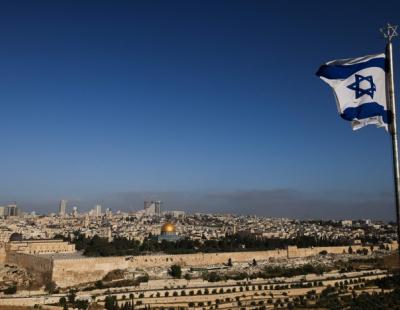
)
(33, 244)
(148, 222)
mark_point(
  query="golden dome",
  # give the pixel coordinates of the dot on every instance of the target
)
(168, 228)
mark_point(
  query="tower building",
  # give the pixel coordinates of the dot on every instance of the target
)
(9, 210)
(153, 207)
(98, 210)
(62, 208)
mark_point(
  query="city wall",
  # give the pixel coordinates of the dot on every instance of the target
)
(67, 272)
(71, 271)
(40, 267)
(294, 251)
(202, 259)
(40, 246)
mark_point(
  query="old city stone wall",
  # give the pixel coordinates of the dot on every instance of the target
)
(73, 271)
(40, 246)
(40, 267)
(294, 251)
(201, 259)
(67, 272)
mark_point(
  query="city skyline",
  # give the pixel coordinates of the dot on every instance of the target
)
(275, 204)
(199, 105)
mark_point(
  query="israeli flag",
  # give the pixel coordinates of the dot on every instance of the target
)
(359, 85)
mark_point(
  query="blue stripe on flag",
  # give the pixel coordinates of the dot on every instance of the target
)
(344, 71)
(367, 110)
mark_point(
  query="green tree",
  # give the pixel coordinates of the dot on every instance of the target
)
(62, 301)
(99, 284)
(71, 296)
(175, 271)
(110, 303)
(50, 287)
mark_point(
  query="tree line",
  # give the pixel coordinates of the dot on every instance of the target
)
(121, 246)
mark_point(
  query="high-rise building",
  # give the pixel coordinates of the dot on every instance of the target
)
(98, 210)
(148, 207)
(157, 207)
(152, 207)
(62, 209)
(9, 210)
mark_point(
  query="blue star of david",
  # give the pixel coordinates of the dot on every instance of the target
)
(361, 91)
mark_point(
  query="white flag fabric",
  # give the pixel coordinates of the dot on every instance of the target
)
(359, 85)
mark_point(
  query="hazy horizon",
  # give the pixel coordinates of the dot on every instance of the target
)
(276, 203)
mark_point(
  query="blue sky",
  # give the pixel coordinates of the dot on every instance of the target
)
(168, 99)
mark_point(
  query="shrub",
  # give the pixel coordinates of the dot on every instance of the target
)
(62, 301)
(50, 287)
(10, 290)
(99, 284)
(175, 271)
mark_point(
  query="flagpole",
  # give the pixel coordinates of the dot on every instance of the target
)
(389, 33)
